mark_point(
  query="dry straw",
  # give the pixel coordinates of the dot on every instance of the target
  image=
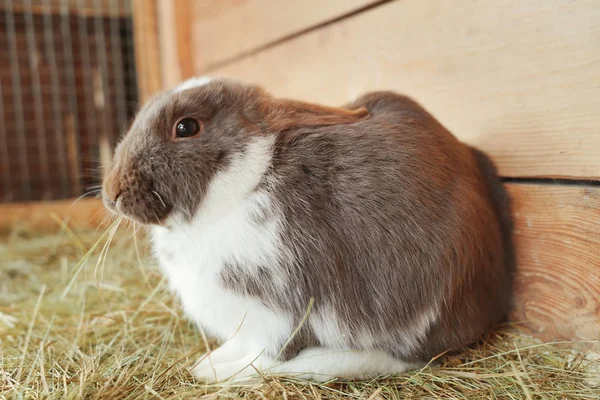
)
(87, 315)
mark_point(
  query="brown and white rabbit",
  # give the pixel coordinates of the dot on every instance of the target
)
(397, 234)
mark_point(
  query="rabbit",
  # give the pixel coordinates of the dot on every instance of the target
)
(317, 242)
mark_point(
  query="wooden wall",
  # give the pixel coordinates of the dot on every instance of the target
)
(518, 78)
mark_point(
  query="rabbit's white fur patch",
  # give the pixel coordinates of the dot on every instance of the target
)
(331, 333)
(193, 83)
(191, 254)
(315, 363)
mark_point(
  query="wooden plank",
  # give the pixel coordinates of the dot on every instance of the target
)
(520, 80)
(182, 39)
(85, 213)
(557, 231)
(226, 28)
(147, 51)
(175, 41)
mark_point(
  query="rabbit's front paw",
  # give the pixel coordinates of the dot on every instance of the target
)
(207, 366)
(211, 372)
(246, 369)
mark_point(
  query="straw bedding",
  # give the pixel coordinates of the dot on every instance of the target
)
(86, 314)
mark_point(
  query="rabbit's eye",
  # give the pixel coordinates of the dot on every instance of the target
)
(186, 128)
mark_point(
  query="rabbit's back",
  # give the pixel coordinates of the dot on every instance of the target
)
(391, 229)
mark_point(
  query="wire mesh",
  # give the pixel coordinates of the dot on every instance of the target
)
(67, 90)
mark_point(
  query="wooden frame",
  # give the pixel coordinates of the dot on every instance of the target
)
(164, 56)
(147, 49)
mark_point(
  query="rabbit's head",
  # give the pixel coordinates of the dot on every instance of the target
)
(182, 137)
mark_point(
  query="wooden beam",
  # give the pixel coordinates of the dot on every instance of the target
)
(147, 51)
(519, 79)
(558, 280)
(183, 39)
(172, 41)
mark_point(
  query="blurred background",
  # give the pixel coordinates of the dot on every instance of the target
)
(68, 86)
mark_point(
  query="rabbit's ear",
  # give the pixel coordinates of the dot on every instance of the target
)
(282, 115)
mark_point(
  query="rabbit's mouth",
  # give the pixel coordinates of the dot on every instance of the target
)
(148, 209)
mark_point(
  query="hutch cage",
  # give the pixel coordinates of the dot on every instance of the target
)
(67, 90)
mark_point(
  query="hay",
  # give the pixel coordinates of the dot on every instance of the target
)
(106, 327)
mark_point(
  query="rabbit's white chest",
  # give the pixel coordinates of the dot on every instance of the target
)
(235, 224)
(192, 261)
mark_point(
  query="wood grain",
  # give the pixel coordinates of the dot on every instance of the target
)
(224, 29)
(519, 79)
(558, 280)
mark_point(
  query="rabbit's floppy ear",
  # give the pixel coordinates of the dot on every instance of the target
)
(284, 114)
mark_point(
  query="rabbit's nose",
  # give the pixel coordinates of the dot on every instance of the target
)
(109, 200)
(112, 187)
